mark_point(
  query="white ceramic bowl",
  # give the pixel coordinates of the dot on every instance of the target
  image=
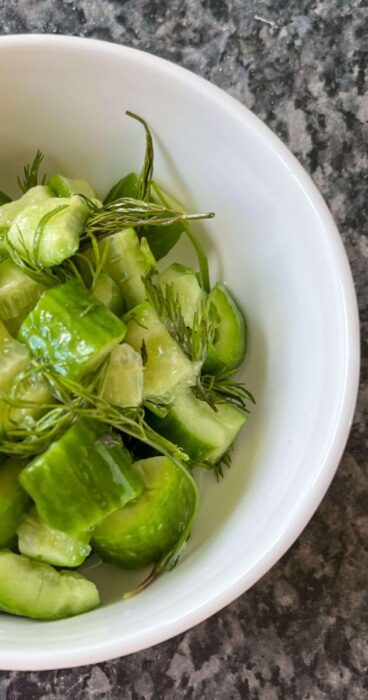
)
(275, 243)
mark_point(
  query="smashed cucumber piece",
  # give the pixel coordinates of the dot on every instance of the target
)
(81, 478)
(48, 233)
(166, 368)
(147, 528)
(123, 382)
(18, 295)
(14, 359)
(71, 330)
(202, 433)
(109, 294)
(66, 186)
(33, 589)
(37, 540)
(229, 347)
(33, 197)
(128, 264)
(183, 283)
(14, 501)
(32, 389)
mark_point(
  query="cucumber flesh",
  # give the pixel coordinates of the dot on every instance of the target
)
(123, 383)
(66, 187)
(37, 540)
(33, 389)
(147, 528)
(18, 295)
(71, 329)
(204, 434)
(34, 196)
(167, 369)
(14, 359)
(14, 501)
(60, 235)
(109, 294)
(81, 478)
(230, 344)
(33, 589)
(127, 265)
(184, 284)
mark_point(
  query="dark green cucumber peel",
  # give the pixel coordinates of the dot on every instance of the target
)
(230, 344)
(81, 478)
(32, 589)
(71, 330)
(146, 529)
(14, 500)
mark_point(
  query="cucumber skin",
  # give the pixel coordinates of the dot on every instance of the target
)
(66, 186)
(147, 528)
(14, 500)
(230, 345)
(89, 331)
(80, 479)
(33, 589)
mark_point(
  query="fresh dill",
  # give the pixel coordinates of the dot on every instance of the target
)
(31, 173)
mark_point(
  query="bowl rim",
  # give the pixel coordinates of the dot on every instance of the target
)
(97, 652)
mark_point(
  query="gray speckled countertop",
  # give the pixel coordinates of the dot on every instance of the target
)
(301, 65)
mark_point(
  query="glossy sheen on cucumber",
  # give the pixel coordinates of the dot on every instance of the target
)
(66, 186)
(34, 390)
(147, 528)
(184, 284)
(34, 196)
(109, 294)
(81, 478)
(18, 295)
(167, 369)
(60, 235)
(71, 330)
(127, 265)
(202, 433)
(14, 501)
(123, 382)
(37, 540)
(14, 359)
(36, 590)
(230, 344)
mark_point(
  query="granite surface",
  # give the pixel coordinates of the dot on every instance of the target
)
(301, 65)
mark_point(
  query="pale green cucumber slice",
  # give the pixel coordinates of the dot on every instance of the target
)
(230, 344)
(203, 434)
(109, 294)
(66, 186)
(60, 234)
(71, 329)
(34, 196)
(147, 528)
(127, 265)
(14, 501)
(18, 295)
(147, 253)
(184, 285)
(81, 478)
(37, 540)
(123, 382)
(167, 369)
(14, 359)
(32, 589)
(34, 390)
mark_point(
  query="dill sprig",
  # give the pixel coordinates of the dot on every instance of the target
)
(145, 178)
(31, 173)
(222, 389)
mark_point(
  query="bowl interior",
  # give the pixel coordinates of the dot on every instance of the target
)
(275, 245)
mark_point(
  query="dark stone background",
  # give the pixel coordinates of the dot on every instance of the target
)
(301, 65)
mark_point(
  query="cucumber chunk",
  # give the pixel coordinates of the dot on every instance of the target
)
(34, 196)
(123, 383)
(35, 390)
(81, 478)
(60, 233)
(18, 295)
(230, 344)
(167, 369)
(66, 187)
(14, 501)
(71, 329)
(184, 283)
(33, 589)
(202, 433)
(14, 358)
(109, 294)
(127, 265)
(147, 528)
(37, 540)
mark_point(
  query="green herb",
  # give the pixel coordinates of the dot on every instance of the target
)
(31, 174)
(225, 390)
(145, 178)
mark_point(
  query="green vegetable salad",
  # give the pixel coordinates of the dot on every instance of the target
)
(116, 382)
